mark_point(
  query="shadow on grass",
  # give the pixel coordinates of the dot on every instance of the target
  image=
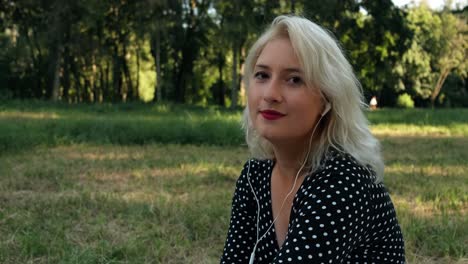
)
(100, 227)
(425, 151)
(170, 203)
(164, 203)
(438, 235)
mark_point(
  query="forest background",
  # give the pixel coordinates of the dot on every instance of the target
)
(192, 51)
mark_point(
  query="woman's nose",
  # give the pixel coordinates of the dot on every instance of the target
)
(272, 91)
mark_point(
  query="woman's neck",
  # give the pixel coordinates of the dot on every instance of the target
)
(288, 160)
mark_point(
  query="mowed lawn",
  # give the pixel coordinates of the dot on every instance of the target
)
(153, 184)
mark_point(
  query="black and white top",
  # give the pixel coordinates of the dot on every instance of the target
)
(339, 215)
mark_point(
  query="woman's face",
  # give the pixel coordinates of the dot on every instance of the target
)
(283, 109)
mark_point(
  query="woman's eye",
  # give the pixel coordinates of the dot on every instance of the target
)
(260, 75)
(295, 80)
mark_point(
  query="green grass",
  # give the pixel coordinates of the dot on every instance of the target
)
(21, 127)
(25, 125)
(108, 204)
(85, 198)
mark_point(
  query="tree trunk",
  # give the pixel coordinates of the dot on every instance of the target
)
(55, 39)
(189, 52)
(66, 73)
(117, 75)
(101, 84)
(180, 84)
(55, 89)
(158, 66)
(95, 91)
(137, 84)
(234, 76)
(108, 93)
(129, 93)
(156, 52)
(36, 68)
(76, 76)
(42, 77)
(128, 78)
(185, 68)
(86, 91)
(221, 88)
(439, 84)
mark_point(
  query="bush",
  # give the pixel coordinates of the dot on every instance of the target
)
(405, 101)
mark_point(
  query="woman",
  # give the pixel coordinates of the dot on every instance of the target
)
(313, 192)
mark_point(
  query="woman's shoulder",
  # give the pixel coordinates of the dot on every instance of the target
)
(341, 180)
(342, 165)
(258, 164)
(256, 170)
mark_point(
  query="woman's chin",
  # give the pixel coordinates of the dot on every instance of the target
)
(282, 139)
(275, 139)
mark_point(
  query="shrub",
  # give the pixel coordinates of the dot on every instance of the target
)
(405, 101)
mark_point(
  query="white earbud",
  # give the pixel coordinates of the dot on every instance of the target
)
(327, 108)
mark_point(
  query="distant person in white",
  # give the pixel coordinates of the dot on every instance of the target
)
(373, 103)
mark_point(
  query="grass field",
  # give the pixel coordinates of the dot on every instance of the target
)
(153, 184)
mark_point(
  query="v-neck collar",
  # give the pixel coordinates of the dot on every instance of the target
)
(270, 205)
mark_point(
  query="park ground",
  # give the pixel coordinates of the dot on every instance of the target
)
(153, 184)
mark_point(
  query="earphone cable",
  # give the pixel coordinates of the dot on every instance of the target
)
(256, 199)
(252, 256)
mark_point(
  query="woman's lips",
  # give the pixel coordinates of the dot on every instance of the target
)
(271, 114)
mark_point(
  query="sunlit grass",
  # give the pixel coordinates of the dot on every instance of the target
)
(13, 115)
(420, 131)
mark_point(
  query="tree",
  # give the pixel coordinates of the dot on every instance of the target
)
(157, 29)
(373, 35)
(453, 53)
(193, 51)
(237, 22)
(387, 38)
(438, 48)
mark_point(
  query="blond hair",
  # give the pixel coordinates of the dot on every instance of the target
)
(345, 127)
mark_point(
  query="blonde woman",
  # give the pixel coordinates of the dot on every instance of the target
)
(313, 191)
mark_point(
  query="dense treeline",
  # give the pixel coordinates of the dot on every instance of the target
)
(192, 51)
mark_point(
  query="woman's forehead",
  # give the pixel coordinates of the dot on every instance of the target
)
(279, 53)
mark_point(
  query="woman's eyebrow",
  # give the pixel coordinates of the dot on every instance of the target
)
(291, 69)
(262, 66)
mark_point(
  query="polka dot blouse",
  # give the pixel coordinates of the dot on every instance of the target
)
(339, 215)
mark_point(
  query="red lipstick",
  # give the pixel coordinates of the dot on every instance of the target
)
(271, 114)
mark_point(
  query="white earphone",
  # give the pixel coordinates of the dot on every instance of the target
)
(252, 255)
(327, 108)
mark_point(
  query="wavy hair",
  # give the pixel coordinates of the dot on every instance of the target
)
(345, 126)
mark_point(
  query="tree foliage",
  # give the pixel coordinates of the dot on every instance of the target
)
(192, 51)
(437, 49)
